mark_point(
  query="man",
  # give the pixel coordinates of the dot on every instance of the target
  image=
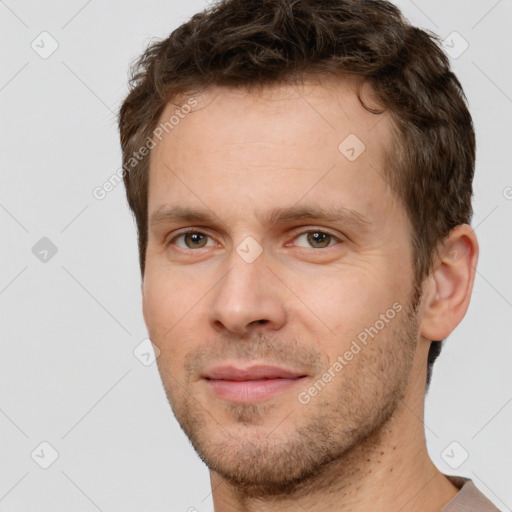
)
(301, 176)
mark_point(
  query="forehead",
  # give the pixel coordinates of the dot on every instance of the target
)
(272, 146)
(323, 106)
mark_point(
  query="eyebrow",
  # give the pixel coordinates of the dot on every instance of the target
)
(276, 216)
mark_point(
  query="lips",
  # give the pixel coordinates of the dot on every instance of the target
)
(253, 384)
(251, 373)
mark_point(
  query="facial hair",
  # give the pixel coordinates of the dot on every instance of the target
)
(345, 418)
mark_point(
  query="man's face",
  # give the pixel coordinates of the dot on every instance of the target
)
(261, 280)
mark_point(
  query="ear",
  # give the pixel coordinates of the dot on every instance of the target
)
(447, 290)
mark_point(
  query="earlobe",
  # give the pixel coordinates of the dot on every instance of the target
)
(449, 286)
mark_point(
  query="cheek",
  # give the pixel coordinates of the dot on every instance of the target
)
(168, 294)
(171, 307)
(348, 298)
(347, 306)
(164, 303)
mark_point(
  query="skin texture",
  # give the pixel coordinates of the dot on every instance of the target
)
(358, 444)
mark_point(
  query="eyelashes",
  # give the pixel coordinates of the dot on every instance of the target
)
(193, 239)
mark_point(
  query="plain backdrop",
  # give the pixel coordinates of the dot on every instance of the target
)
(73, 394)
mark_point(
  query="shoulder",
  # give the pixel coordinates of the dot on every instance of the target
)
(468, 499)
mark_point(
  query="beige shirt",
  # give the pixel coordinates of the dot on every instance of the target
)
(468, 499)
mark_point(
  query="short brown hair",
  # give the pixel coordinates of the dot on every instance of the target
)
(255, 43)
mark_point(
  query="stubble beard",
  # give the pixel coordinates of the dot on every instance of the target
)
(328, 436)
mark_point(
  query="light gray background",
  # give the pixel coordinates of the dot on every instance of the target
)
(68, 375)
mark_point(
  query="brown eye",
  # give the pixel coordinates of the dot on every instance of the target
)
(191, 240)
(317, 239)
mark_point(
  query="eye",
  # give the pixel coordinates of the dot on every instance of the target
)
(192, 240)
(317, 239)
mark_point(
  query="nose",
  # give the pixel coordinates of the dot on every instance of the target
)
(248, 297)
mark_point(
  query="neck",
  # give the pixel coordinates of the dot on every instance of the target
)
(389, 471)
